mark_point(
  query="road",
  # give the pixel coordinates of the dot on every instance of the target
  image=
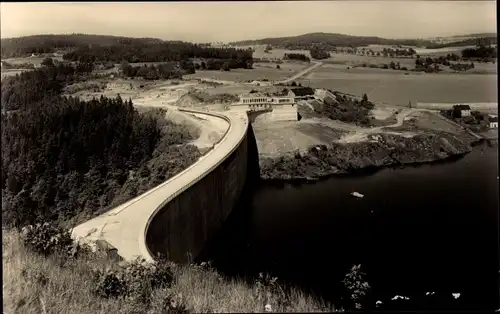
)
(124, 227)
(362, 133)
(301, 73)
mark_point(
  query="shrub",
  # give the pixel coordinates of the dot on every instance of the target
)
(356, 285)
(267, 289)
(47, 239)
(135, 280)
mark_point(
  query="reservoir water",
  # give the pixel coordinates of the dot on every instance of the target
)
(431, 228)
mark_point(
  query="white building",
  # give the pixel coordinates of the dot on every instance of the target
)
(493, 122)
(282, 105)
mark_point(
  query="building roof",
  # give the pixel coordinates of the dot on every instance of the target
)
(303, 91)
(461, 107)
(254, 95)
(283, 92)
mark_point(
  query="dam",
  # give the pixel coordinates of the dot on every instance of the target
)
(179, 216)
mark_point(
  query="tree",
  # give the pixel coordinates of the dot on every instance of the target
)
(48, 62)
(365, 97)
(356, 286)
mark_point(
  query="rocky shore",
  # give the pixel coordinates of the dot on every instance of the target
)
(383, 150)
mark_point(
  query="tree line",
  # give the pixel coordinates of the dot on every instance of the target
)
(319, 53)
(64, 158)
(296, 56)
(38, 44)
(160, 52)
(481, 53)
(27, 88)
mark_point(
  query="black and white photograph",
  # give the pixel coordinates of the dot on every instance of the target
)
(249, 157)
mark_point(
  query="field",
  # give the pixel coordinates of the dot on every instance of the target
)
(12, 72)
(279, 138)
(350, 60)
(33, 60)
(260, 71)
(274, 53)
(396, 88)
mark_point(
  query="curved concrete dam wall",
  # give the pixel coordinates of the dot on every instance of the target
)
(182, 227)
(180, 215)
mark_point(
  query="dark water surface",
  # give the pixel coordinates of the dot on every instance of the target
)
(432, 228)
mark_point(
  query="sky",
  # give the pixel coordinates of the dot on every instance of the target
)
(233, 21)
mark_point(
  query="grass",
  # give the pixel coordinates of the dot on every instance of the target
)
(36, 284)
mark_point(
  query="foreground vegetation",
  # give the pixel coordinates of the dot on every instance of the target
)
(70, 279)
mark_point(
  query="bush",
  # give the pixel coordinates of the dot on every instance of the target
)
(356, 286)
(135, 280)
(47, 239)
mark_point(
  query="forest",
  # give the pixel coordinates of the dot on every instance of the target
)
(64, 159)
(26, 45)
(27, 89)
(296, 56)
(481, 53)
(104, 49)
(160, 52)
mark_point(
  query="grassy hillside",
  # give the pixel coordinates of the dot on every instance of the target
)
(91, 283)
(329, 39)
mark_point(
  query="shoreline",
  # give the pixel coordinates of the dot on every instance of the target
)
(362, 172)
(320, 171)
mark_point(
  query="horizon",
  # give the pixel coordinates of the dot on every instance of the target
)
(250, 20)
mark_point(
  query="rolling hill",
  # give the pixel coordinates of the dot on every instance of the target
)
(329, 39)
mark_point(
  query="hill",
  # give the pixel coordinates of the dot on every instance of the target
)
(472, 41)
(329, 39)
(21, 46)
(477, 35)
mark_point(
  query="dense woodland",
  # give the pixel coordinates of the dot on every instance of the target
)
(318, 53)
(27, 89)
(296, 56)
(160, 52)
(169, 70)
(105, 49)
(63, 158)
(22, 46)
(481, 53)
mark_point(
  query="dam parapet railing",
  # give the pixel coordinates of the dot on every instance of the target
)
(125, 227)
